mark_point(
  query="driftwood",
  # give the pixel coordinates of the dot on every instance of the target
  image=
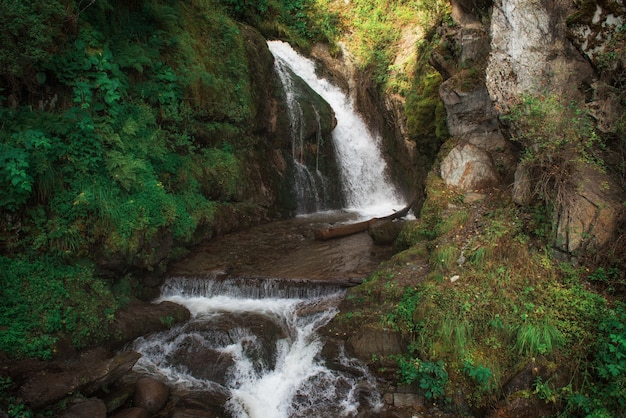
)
(355, 228)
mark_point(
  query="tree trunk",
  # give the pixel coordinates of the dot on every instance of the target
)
(355, 228)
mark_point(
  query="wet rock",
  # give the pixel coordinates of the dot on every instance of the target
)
(134, 412)
(151, 394)
(469, 167)
(380, 342)
(193, 413)
(116, 398)
(141, 318)
(206, 364)
(86, 408)
(209, 401)
(86, 375)
(385, 232)
(203, 356)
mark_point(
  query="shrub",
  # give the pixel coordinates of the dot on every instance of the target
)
(43, 298)
(557, 139)
(430, 376)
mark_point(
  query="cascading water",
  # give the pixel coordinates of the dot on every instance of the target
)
(310, 185)
(254, 342)
(363, 170)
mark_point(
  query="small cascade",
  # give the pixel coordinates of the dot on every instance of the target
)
(365, 183)
(254, 344)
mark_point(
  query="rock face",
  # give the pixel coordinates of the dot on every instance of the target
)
(590, 220)
(528, 49)
(472, 119)
(530, 52)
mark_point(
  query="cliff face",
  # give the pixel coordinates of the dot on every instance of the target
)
(530, 48)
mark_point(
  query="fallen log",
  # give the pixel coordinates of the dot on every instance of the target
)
(355, 228)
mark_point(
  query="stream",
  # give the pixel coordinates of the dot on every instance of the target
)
(259, 297)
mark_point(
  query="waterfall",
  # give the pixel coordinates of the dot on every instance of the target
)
(364, 180)
(255, 342)
(310, 186)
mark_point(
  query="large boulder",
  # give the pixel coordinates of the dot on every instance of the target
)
(375, 341)
(134, 412)
(151, 394)
(93, 371)
(468, 168)
(141, 318)
(86, 408)
(590, 218)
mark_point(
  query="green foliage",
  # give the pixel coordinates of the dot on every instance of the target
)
(30, 31)
(482, 375)
(151, 121)
(42, 298)
(534, 339)
(610, 360)
(430, 376)
(246, 10)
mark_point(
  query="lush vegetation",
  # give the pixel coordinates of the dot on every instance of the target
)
(493, 301)
(130, 124)
(125, 128)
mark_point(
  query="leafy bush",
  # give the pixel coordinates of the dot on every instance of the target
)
(430, 376)
(30, 30)
(43, 298)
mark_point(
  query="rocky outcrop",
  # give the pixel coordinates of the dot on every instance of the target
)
(528, 49)
(596, 29)
(472, 119)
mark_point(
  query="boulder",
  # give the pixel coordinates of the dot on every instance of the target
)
(134, 412)
(151, 394)
(193, 413)
(141, 318)
(211, 402)
(385, 231)
(86, 375)
(372, 341)
(117, 397)
(468, 168)
(591, 216)
(86, 408)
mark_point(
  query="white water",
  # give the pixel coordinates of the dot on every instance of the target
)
(309, 186)
(295, 383)
(364, 180)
